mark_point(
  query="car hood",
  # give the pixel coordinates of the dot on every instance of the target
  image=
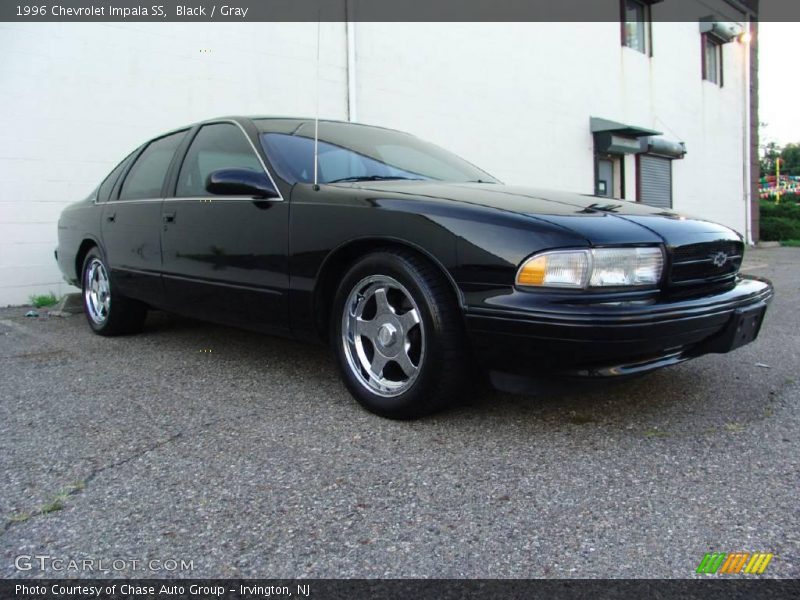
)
(600, 220)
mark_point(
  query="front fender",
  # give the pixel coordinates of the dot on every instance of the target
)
(473, 245)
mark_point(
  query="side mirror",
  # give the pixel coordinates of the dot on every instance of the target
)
(240, 182)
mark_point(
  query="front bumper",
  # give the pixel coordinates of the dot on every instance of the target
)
(529, 333)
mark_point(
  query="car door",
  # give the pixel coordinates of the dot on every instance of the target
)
(131, 222)
(225, 257)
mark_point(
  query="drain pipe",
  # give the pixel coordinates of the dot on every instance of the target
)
(747, 117)
(350, 34)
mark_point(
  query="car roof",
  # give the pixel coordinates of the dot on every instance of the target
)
(253, 118)
(286, 118)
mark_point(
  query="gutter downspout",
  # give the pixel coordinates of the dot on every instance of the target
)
(755, 165)
(350, 35)
(747, 158)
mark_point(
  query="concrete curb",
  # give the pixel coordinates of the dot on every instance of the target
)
(70, 304)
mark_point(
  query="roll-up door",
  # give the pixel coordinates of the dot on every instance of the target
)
(655, 181)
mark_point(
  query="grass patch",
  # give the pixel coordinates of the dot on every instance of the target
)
(20, 517)
(581, 418)
(734, 427)
(791, 243)
(42, 300)
(657, 433)
(60, 499)
(54, 505)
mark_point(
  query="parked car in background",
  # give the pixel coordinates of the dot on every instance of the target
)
(412, 263)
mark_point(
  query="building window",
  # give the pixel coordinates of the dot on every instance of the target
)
(636, 25)
(712, 60)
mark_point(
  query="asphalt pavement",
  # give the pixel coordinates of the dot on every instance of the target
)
(193, 450)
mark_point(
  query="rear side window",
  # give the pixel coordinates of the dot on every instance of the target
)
(217, 146)
(146, 177)
(108, 183)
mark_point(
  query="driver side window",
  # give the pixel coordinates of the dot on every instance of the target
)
(217, 146)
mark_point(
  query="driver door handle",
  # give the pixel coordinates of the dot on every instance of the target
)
(169, 217)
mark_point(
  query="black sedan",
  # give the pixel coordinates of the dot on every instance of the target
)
(417, 267)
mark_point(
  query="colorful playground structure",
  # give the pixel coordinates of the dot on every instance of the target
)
(773, 186)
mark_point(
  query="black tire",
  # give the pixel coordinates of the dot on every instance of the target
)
(442, 355)
(119, 315)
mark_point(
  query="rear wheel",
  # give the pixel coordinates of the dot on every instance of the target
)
(108, 312)
(397, 333)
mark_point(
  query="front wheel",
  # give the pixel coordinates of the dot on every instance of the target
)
(108, 312)
(398, 335)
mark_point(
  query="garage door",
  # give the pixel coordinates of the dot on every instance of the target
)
(655, 181)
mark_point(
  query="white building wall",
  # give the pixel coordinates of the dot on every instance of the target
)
(514, 98)
(77, 98)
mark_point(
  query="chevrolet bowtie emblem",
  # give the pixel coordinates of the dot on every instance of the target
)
(719, 259)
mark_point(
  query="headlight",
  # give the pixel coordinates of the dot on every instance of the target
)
(600, 267)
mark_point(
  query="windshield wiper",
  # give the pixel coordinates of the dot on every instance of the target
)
(373, 178)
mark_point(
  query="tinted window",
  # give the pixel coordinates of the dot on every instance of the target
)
(146, 177)
(218, 146)
(349, 151)
(293, 157)
(108, 183)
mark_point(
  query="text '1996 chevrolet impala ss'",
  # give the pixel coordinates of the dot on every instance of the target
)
(413, 264)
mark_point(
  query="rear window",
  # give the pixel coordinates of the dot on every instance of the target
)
(104, 191)
(146, 177)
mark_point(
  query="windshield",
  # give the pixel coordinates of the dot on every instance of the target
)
(350, 152)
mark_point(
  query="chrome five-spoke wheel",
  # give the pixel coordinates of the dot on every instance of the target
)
(397, 335)
(97, 292)
(382, 335)
(107, 311)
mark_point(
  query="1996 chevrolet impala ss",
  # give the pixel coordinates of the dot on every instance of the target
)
(412, 263)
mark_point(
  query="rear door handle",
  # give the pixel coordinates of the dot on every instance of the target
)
(112, 217)
(169, 217)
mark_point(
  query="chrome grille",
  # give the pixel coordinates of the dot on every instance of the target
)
(708, 261)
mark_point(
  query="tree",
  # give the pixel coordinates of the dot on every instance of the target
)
(789, 155)
(770, 152)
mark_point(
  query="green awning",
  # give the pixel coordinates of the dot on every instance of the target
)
(599, 125)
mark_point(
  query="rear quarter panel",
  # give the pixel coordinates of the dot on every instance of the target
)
(78, 222)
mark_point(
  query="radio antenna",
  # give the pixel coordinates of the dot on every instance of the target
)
(316, 117)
